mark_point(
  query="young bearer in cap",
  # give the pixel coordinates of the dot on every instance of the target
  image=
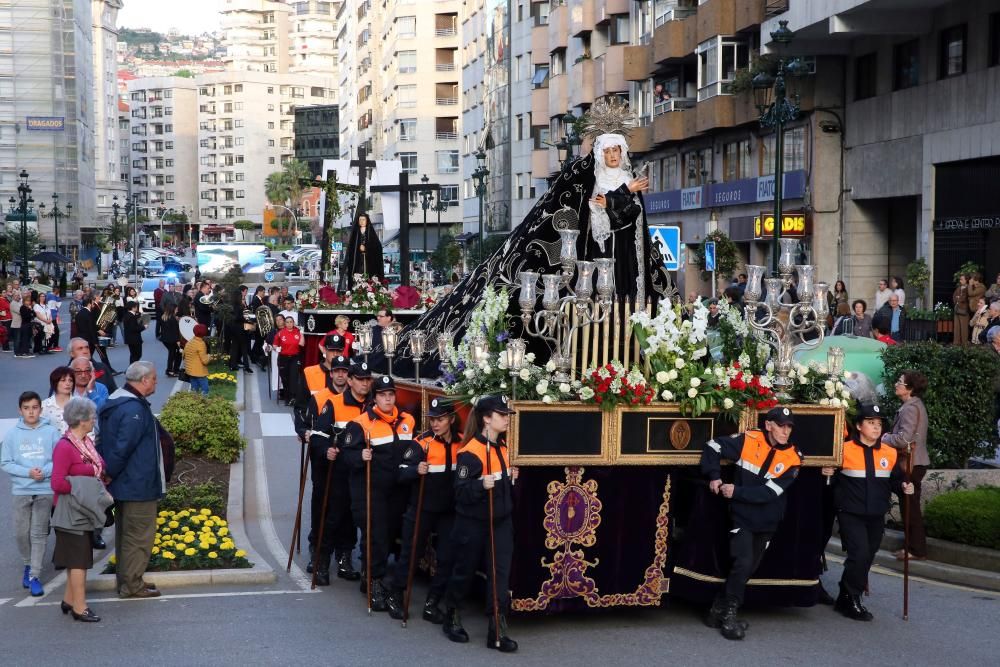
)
(432, 457)
(483, 464)
(766, 464)
(861, 495)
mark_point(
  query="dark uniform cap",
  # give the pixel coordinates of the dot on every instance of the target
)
(868, 411)
(780, 416)
(334, 342)
(439, 407)
(340, 362)
(359, 369)
(490, 404)
(384, 383)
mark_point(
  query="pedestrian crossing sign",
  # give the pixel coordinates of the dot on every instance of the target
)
(668, 240)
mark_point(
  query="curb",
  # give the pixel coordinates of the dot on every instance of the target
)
(240, 401)
(260, 573)
(951, 574)
(949, 553)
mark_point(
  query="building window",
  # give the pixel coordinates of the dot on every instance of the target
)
(736, 160)
(240, 176)
(407, 95)
(951, 52)
(558, 62)
(906, 65)
(169, 145)
(541, 77)
(270, 160)
(697, 167)
(408, 129)
(718, 60)
(169, 162)
(241, 194)
(270, 143)
(238, 88)
(993, 57)
(447, 161)
(241, 211)
(169, 178)
(407, 61)
(865, 76)
(795, 151)
(669, 172)
(448, 195)
(409, 161)
(406, 26)
(620, 29)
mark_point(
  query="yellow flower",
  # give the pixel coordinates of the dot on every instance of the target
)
(113, 559)
(205, 512)
(223, 532)
(212, 554)
(222, 522)
(155, 550)
(190, 552)
(209, 524)
(204, 545)
(189, 538)
(226, 546)
(165, 513)
(173, 524)
(160, 521)
(240, 553)
(169, 555)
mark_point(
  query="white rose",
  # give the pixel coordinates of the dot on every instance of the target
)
(671, 375)
(662, 377)
(470, 373)
(530, 357)
(823, 370)
(824, 401)
(695, 382)
(839, 386)
(728, 404)
(524, 374)
(719, 372)
(846, 394)
(692, 392)
(667, 395)
(586, 393)
(830, 392)
(542, 387)
(503, 385)
(546, 399)
(828, 385)
(803, 380)
(564, 388)
(835, 402)
(550, 366)
(679, 363)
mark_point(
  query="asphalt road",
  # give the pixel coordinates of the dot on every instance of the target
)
(284, 623)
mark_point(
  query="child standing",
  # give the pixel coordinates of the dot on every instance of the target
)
(26, 455)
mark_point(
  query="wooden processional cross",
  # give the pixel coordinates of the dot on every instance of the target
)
(404, 189)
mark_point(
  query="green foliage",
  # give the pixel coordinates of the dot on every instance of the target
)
(968, 269)
(959, 397)
(244, 225)
(726, 255)
(968, 517)
(918, 275)
(743, 78)
(489, 246)
(184, 73)
(14, 240)
(447, 255)
(205, 427)
(182, 496)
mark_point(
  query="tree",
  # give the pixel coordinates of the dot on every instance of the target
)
(14, 241)
(447, 255)
(285, 187)
(184, 73)
(489, 246)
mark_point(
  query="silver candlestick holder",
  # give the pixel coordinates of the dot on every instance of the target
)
(553, 323)
(781, 322)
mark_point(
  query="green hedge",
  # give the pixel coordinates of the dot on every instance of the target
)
(959, 398)
(207, 427)
(969, 517)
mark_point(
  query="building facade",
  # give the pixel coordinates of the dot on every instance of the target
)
(317, 136)
(107, 160)
(921, 132)
(313, 37)
(256, 35)
(47, 109)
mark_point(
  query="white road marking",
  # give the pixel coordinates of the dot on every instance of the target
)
(4, 601)
(275, 424)
(183, 596)
(59, 580)
(274, 545)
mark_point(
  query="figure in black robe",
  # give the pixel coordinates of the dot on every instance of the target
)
(534, 246)
(363, 255)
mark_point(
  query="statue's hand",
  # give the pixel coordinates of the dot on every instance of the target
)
(361, 247)
(638, 184)
(601, 201)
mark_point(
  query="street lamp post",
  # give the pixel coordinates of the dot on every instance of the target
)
(163, 212)
(775, 114)
(24, 202)
(425, 203)
(481, 177)
(56, 213)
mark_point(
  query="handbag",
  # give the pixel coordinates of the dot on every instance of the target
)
(109, 516)
(183, 376)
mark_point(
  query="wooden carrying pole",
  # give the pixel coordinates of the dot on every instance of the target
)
(906, 534)
(297, 526)
(413, 551)
(322, 522)
(493, 549)
(368, 522)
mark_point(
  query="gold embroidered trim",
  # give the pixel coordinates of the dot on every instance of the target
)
(753, 582)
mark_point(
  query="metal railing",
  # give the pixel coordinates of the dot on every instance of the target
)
(673, 104)
(447, 101)
(446, 135)
(775, 7)
(445, 67)
(445, 32)
(675, 14)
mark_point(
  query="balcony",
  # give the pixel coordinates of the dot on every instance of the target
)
(676, 39)
(641, 139)
(540, 45)
(540, 163)
(540, 103)
(748, 14)
(718, 17)
(444, 67)
(445, 32)
(638, 63)
(675, 125)
(715, 112)
(674, 104)
(558, 99)
(614, 70)
(558, 28)
(582, 83)
(582, 16)
(611, 7)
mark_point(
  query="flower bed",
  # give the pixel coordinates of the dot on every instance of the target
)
(192, 539)
(222, 384)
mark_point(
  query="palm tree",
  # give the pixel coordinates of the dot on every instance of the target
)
(285, 187)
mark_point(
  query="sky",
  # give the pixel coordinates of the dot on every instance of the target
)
(188, 16)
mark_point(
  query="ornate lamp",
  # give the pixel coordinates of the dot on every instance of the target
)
(443, 340)
(418, 338)
(480, 348)
(835, 361)
(364, 339)
(515, 360)
(390, 336)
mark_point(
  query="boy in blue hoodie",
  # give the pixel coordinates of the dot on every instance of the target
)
(26, 455)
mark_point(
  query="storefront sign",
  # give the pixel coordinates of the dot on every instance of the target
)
(730, 193)
(792, 225)
(966, 224)
(691, 198)
(46, 123)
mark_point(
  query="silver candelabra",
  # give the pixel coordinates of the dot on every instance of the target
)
(780, 322)
(554, 324)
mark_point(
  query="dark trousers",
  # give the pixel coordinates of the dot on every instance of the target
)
(340, 535)
(239, 350)
(914, 520)
(54, 338)
(861, 536)
(470, 540)
(103, 352)
(388, 505)
(286, 365)
(174, 357)
(257, 350)
(134, 352)
(746, 548)
(158, 312)
(10, 335)
(23, 345)
(441, 523)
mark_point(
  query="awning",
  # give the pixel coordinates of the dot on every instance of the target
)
(466, 237)
(216, 229)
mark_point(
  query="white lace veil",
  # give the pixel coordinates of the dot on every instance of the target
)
(607, 179)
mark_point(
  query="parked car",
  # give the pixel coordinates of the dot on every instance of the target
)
(288, 268)
(147, 305)
(298, 249)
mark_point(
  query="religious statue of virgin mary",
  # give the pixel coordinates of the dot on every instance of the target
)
(598, 194)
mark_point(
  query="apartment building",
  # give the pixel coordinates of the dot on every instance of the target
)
(107, 159)
(245, 131)
(399, 62)
(256, 35)
(47, 109)
(124, 148)
(163, 127)
(313, 37)
(921, 133)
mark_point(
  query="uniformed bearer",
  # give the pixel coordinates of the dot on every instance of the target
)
(766, 464)
(862, 493)
(483, 464)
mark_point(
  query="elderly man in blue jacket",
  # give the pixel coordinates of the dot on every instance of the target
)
(130, 445)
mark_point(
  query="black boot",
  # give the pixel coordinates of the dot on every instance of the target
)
(851, 607)
(379, 596)
(394, 603)
(432, 612)
(323, 577)
(345, 568)
(452, 627)
(732, 627)
(718, 612)
(505, 644)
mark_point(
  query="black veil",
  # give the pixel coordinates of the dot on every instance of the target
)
(354, 262)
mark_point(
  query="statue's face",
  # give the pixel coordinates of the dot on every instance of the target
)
(363, 221)
(613, 157)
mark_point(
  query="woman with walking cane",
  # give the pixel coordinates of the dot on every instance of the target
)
(909, 430)
(484, 488)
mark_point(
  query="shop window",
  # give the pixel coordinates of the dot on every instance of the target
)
(736, 160)
(951, 52)
(697, 167)
(795, 151)
(906, 65)
(865, 76)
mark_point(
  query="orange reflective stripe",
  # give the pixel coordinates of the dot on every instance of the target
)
(436, 451)
(380, 432)
(315, 378)
(854, 458)
(755, 451)
(478, 449)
